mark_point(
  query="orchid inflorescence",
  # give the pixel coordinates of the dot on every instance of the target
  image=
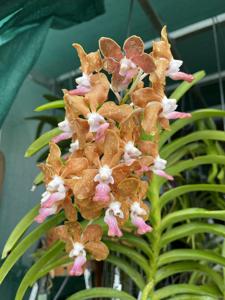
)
(108, 165)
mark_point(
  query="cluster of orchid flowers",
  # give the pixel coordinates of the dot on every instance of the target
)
(108, 165)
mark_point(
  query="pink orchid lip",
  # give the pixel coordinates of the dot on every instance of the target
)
(114, 229)
(161, 173)
(44, 213)
(52, 199)
(182, 76)
(178, 115)
(142, 227)
(61, 137)
(100, 134)
(79, 91)
(77, 269)
(102, 192)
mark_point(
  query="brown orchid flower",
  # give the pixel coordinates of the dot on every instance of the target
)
(80, 242)
(124, 67)
(56, 173)
(166, 65)
(157, 107)
(127, 200)
(90, 63)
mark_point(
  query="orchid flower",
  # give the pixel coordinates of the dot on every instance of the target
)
(79, 243)
(124, 67)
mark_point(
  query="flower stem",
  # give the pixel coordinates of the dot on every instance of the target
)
(133, 86)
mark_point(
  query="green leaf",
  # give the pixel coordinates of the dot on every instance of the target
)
(51, 105)
(175, 289)
(131, 253)
(42, 141)
(185, 86)
(192, 137)
(191, 213)
(176, 192)
(196, 115)
(193, 297)
(31, 274)
(30, 239)
(38, 179)
(190, 229)
(19, 230)
(58, 262)
(138, 242)
(189, 266)
(128, 269)
(100, 293)
(190, 254)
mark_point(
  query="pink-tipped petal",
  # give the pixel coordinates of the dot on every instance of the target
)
(178, 115)
(100, 134)
(102, 192)
(61, 137)
(182, 76)
(142, 227)
(161, 173)
(52, 199)
(77, 269)
(114, 229)
(80, 91)
(44, 213)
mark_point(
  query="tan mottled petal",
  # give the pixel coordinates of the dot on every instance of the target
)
(164, 123)
(48, 172)
(143, 96)
(92, 232)
(78, 104)
(92, 154)
(148, 147)
(111, 65)
(54, 158)
(81, 128)
(85, 186)
(89, 62)
(74, 166)
(61, 232)
(69, 209)
(99, 91)
(151, 113)
(110, 48)
(111, 147)
(130, 128)
(145, 62)
(143, 188)
(146, 208)
(120, 172)
(115, 112)
(98, 250)
(117, 82)
(133, 46)
(128, 187)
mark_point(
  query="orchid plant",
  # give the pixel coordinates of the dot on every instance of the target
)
(109, 191)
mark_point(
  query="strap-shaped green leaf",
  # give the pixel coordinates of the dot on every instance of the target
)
(176, 192)
(188, 266)
(190, 254)
(101, 293)
(41, 142)
(192, 137)
(19, 230)
(190, 229)
(128, 269)
(193, 297)
(50, 254)
(196, 115)
(138, 242)
(131, 253)
(38, 179)
(191, 213)
(185, 86)
(175, 289)
(51, 105)
(29, 240)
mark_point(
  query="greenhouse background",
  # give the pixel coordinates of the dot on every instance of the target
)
(36, 58)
